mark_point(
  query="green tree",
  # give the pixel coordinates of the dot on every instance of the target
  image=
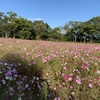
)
(1, 23)
(6, 26)
(12, 18)
(24, 28)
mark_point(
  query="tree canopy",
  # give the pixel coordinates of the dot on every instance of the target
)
(12, 26)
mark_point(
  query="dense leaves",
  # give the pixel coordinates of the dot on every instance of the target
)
(13, 26)
(88, 31)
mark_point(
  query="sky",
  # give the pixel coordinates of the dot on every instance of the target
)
(54, 12)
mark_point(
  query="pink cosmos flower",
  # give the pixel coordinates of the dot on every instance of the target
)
(78, 77)
(57, 98)
(11, 89)
(90, 85)
(68, 67)
(33, 63)
(64, 68)
(73, 93)
(27, 53)
(30, 97)
(5, 98)
(60, 86)
(78, 81)
(3, 81)
(24, 48)
(26, 86)
(44, 60)
(54, 88)
(47, 74)
(71, 87)
(70, 79)
(62, 75)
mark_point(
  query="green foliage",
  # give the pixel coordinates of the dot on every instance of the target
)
(12, 26)
(83, 31)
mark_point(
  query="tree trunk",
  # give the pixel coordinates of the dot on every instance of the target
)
(6, 35)
(75, 38)
(84, 39)
(14, 36)
(2, 36)
(90, 40)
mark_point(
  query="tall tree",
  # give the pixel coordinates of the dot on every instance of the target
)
(1, 24)
(12, 18)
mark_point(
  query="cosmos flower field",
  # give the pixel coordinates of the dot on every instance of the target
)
(43, 70)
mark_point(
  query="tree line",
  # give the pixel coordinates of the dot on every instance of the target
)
(14, 26)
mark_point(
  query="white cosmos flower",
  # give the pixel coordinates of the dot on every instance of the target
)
(5, 64)
(98, 71)
(0, 71)
(19, 98)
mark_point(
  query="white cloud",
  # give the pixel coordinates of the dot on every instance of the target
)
(33, 19)
(38, 19)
